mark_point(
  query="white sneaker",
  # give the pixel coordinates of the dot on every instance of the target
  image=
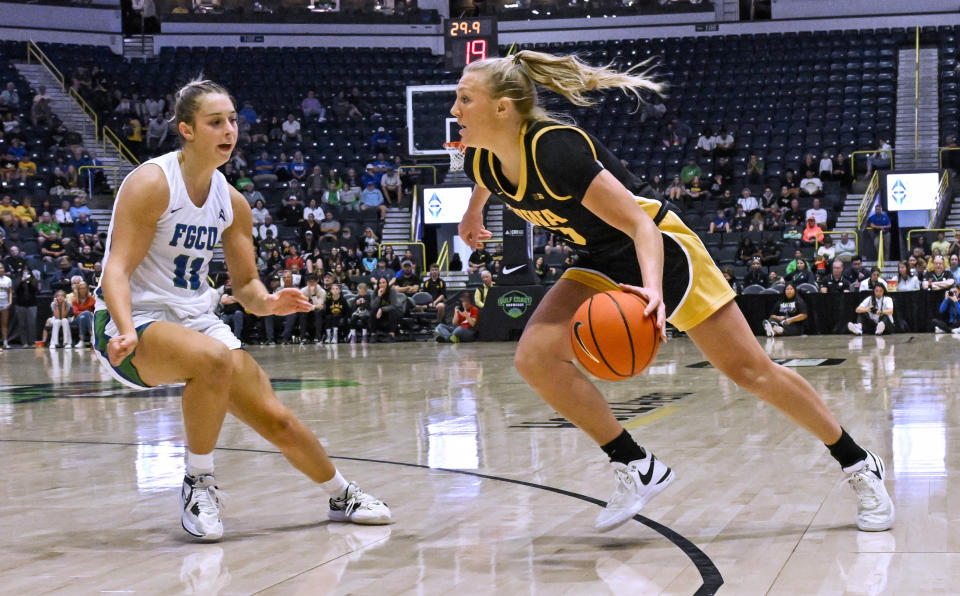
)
(637, 483)
(768, 328)
(855, 328)
(200, 504)
(955, 331)
(875, 511)
(937, 329)
(881, 326)
(777, 330)
(81, 344)
(360, 508)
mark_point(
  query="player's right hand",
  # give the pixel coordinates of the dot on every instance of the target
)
(288, 301)
(471, 229)
(121, 346)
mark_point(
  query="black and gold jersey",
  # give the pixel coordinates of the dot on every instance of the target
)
(558, 164)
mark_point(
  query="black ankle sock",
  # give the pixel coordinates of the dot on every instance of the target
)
(846, 451)
(624, 449)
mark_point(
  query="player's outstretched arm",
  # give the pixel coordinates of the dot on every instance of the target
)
(248, 289)
(609, 200)
(142, 200)
(471, 228)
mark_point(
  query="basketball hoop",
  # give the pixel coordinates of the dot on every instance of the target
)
(457, 150)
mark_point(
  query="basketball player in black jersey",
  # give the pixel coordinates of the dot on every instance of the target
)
(559, 177)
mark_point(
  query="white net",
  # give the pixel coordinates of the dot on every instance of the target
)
(456, 151)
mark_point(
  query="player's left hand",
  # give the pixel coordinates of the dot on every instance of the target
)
(288, 301)
(654, 305)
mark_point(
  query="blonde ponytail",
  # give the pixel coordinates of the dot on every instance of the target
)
(571, 77)
(516, 77)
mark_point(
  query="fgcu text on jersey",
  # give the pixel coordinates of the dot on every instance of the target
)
(194, 237)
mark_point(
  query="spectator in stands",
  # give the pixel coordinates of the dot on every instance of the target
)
(811, 185)
(370, 239)
(907, 280)
(834, 282)
(735, 285)
(719, 223)
(841, 171)
(312, 108)
(818, 213)
(259, 213)
(25, 212)
(801, 274)
(690, 171)
(47, 229)
(812, 232)
(755, 170)
(676, 190)
(955, 267)
(157, 131)
(392, 189)
(84, 225)
(920, 246)
(716, 187)
(350, 197)
(880, 159)
(372, 198)
(855, 273)
(343, 108)
(879, 225)
(10, 97)
(773, 220)
(694, 190)
(316, 183)
(874, 314)
(298, 170)
(846, 248)
(756, 222)
(289, 321)
(437, 288)
(826, 253)
(264, 168)
(941, 244)
(948, 320)
(740, 220)
(282, 168)
(940, 278)
(791, 182)
(868, 284)
(463, 327)
(480, 295)
(360, 315)
(311, 209)
(329, 227)
(294, 260)
(705, 143)
(317, 296)
(748, 201)
(268, 228)
(291, 212)
(380, 141)
(724, 144)
(479, 259)
(789, 314)
(291, 130)
(407, 280)
(53, 249)
(62, 215)
(331, 196)
(385, 315)
(25, 306)
(231, 312)
(350, 242)
(767, 199)
(825, 167)
(748, 250)
(337, 314)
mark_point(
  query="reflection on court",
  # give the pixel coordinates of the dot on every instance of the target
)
(88, 500)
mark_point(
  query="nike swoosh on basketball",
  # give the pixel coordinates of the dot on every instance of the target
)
(509, 270)
(646, 478)
(175, 210)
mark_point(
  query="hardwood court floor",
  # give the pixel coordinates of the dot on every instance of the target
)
(90, 474)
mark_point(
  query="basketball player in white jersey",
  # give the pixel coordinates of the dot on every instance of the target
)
(154, 321)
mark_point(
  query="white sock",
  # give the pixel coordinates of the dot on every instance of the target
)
(198, 464)
(336, 486)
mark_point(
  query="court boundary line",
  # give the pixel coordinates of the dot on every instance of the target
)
(712, 579)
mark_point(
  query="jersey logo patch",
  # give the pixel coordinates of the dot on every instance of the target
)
(538, 197)
(222, 216)
(175, 210)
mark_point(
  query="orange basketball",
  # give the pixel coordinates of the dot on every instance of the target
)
(612, 338)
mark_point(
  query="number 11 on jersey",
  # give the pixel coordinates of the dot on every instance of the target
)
(180, 271)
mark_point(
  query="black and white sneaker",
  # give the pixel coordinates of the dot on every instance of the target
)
(875, 511)
(360, 508)
(201, 504)
(637, 482)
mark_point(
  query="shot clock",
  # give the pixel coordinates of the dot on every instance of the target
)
(468, 40)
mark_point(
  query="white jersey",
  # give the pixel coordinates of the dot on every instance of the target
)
(6, 286)
(173, 274)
